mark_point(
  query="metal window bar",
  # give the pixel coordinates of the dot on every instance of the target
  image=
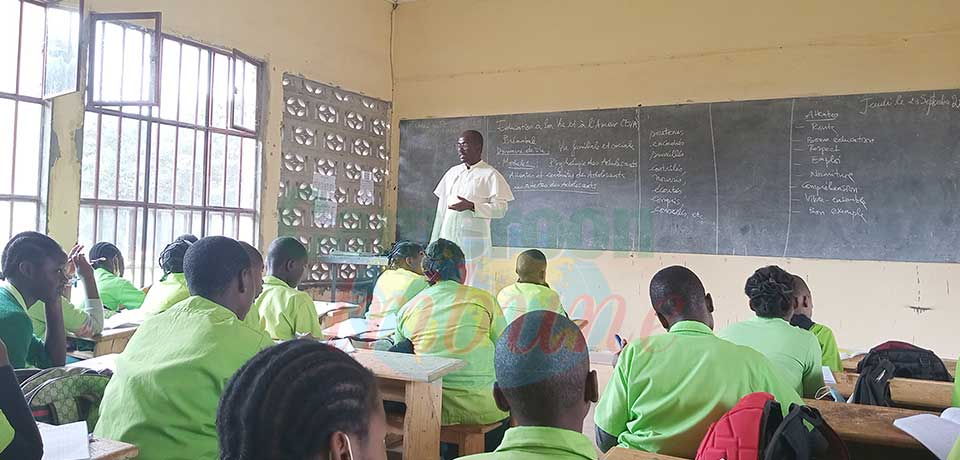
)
(96, 74)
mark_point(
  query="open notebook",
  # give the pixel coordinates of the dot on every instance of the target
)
(65, 442)
(938, 434)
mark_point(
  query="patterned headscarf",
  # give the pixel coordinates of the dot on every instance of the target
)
(443, 261)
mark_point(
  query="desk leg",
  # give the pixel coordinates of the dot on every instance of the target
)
(421, 424)
(103, 347)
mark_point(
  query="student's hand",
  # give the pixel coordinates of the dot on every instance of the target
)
(80, 264)
(462, 205)
(4, 359)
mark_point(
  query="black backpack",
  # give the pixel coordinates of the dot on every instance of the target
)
(794, 441)
(873, 385)
(909, 361)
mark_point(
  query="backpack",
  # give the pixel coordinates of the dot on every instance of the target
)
(909, 361)
(873, 385)
(64, 395)
(755, 429)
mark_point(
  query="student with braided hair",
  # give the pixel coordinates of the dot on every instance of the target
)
(301, 400)
(452, 320)
(85, 321)
(167, 383)
(172, 287)
(794, 350)
(33, 269)
(116, 293)
(401, 281)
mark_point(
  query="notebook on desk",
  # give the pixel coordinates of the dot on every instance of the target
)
(938, 434)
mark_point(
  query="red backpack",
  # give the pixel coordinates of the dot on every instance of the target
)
(755, 429)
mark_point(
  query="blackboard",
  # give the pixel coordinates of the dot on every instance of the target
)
(862, 177)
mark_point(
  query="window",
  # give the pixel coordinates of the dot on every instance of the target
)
(38, 58)
(186, 165)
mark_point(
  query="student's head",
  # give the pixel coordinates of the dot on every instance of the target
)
(35, 265)
(543, 372)
(108, 257)
(287, 260)
(770, 290)
(677, 294)
(219, 269)
(444, 261)
(532, 267)
(256, 266)
(171, 259)
(305, 400)
(470, 147)
(802, 299)
(406, 255)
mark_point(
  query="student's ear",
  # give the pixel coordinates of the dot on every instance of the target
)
(591, 392)
(500, 398)
(709, 301)
(27, 269)
(339, 449)
(243, 280)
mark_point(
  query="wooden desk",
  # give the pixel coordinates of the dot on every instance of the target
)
(100, 363)
(908, 393)
(417, 382)
(105, 449)
(619, 453)
(332, 313)
(110, 340)
(850, 364)
(868, 431)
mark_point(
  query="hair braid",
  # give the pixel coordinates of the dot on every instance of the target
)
(23, 247)
(770, 290)
(288, 400)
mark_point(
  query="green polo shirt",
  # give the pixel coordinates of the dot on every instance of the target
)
(393, 290)
(667, 389)
(794, 350)
(6, 432)
(956, 387)
(829, 352)
(16, 331)
(116, 291)
(519, 299)
(955, 452)
(75, 319)
(541, 442)
(451, 320)
(165, 294)
(164, 392)
(285, 312)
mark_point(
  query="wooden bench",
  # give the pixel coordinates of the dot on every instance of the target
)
(906, 393)
(850, 364)
(620, 453)
(868, 431)
(468, 438)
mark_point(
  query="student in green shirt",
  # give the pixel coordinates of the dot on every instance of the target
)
(302, 400)
(451, 320)
(83, 322)
(19, 436)
(116, 293)
(545, 382)
(794, 350)
(531, 291)
(284, 311)
(172, 288)
(401, 281)
(956, 387)
(803, 318)
(667, 389)
(164, 392)
(33, 267)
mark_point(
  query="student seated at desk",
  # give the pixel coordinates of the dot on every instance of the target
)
(302, 400)
(803, 318)
(401, 281)
(667, 389)
(116, 293)
(33, 268)
(283, 310)
(531, 291)
(451, 320)
(794, 350)
(19, 436)
(172, 288)
(83, 322)
(544, 380)
(164, 392)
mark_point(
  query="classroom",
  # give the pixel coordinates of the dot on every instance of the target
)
(483, 229)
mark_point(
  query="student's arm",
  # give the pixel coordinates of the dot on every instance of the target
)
(125, 293)
(93, 306)
(613, 411)
(26, 443)
(813, 370)
(830, 354)
(305, 319)
(92, 318)
(54, 344)
(497, 321)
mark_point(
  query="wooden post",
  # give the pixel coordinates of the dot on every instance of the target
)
(421, 423)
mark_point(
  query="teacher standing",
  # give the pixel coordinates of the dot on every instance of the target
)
(470, 195)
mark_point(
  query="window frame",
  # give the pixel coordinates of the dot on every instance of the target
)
(155, 68)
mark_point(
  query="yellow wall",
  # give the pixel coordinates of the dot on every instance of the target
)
(461, 57)
(342, 42)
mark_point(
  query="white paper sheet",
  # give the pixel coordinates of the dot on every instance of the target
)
(65, 442)
(938, 434)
